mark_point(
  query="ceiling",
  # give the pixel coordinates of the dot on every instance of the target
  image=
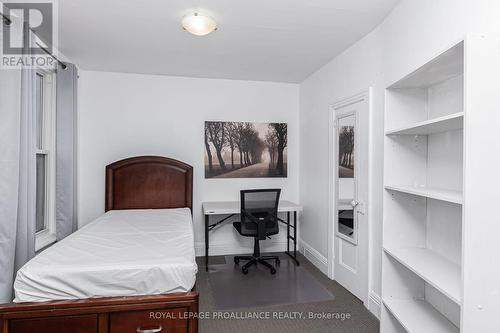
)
(264, 40)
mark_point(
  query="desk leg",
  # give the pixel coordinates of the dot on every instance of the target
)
(207, 220)
(295, 237)
(288, 232)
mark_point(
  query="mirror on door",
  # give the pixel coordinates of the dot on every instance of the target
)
(346, 178)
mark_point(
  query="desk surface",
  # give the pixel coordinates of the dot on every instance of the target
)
(233, 207)
(345, 204)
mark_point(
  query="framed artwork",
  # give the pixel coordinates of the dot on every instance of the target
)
(245, 150)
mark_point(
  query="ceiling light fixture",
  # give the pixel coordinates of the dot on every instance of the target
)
(199, 25)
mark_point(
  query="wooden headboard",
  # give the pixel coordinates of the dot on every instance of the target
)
(146, 182)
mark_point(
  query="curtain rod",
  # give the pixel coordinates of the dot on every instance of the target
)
(63, 65)
(6, 19)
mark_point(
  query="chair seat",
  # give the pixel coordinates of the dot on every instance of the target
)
(253, 232)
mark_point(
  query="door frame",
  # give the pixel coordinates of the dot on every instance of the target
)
(332, 185)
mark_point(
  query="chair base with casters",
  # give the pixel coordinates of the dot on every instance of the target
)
(257, 258)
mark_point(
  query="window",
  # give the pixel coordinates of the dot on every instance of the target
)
(45, 159)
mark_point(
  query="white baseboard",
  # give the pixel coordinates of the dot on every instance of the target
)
(219, 249)
(374, 302)
(313, 255)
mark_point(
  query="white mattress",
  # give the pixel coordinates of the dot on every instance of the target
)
(121, 253)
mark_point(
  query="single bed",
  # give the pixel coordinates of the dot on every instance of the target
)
(131, 270)
(121, 253)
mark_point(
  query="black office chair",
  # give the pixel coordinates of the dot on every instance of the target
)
(259, 219)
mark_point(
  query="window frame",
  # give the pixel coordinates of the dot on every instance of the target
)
(47, 236)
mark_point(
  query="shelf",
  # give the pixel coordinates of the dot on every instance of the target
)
(445, 66)
(418, 316)
(439, 272)
(432, 193)
(437, 125)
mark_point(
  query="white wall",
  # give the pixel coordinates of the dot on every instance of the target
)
(414, 32)
(141, 108)
(123, 115)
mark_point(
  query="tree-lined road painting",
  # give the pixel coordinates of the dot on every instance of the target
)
(245, 150)
(346, 152)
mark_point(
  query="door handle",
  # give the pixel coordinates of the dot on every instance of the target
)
(150, 330)
(354, 203)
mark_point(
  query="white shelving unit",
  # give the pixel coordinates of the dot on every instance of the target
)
(423, 198)
(441, 227)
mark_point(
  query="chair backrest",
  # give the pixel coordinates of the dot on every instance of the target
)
(259, 210)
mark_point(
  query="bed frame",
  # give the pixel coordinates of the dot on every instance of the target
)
(134, 183)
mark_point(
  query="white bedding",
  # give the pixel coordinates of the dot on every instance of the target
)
(121, 253)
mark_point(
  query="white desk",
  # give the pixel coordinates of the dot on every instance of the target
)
(232, 208)
(345, 204)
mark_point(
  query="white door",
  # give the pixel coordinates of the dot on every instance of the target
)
(350, 176)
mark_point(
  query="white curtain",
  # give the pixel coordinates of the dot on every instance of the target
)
(17, 172)
(66, 150)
